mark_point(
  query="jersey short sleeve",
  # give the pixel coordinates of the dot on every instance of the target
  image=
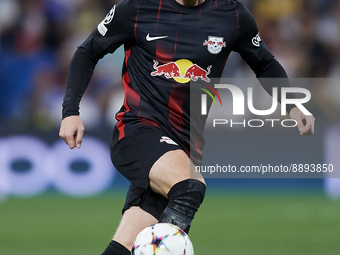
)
(117, 27)
(249, 44)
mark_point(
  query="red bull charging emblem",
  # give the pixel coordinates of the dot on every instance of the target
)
(182, 71)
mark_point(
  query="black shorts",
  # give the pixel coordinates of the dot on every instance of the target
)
(133, 156)
(148, 200)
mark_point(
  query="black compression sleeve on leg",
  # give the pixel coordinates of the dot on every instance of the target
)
(115, 248)
(185, 198)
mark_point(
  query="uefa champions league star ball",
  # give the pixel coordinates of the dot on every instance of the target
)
(162, 239)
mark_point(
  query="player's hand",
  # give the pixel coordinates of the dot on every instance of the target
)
(72, 131)
(305, 123)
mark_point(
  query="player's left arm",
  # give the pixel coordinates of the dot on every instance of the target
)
(254, 51)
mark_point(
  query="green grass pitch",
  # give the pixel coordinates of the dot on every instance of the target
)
(227, 223)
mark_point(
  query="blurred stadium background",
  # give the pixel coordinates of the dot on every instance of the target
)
(57, 201)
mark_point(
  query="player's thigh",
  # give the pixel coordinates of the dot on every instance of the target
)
(133, 221)
(135, 154)
(172, 167)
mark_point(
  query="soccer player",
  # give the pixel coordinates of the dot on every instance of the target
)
(168, 43)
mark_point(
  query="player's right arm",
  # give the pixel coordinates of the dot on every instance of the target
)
(115, 30)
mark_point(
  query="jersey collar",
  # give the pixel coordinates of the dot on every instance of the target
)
(185, 8)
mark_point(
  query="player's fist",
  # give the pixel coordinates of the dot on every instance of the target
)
(72, 131)
(305, 123)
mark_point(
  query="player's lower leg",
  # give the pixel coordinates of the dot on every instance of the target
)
(185, 198)
(133, 221)
(171, 177)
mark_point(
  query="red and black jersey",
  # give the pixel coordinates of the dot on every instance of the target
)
(168, 45)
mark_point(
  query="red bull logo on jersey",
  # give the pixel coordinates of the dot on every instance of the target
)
(214, 44)
(194, 72)
(182, 71)
(169, 70)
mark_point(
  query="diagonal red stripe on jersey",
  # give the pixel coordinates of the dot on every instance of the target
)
(175, 104)
(130, 98)
(147, 122)
(163, 55)
(238, 20)
(127, 55)
(200, 18)
(121, 125)
(159, 12)
(135, 28)
(179, 20)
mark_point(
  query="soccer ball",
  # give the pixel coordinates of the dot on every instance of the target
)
(162, 239)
